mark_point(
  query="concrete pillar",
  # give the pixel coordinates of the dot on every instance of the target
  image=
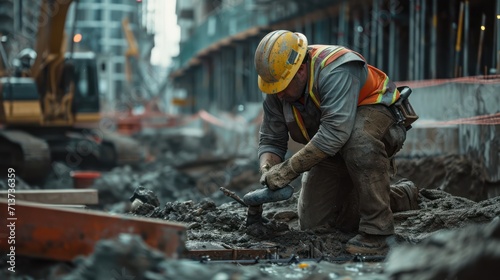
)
(434, 40)
(411, 44)
(466, 39)
(497, 36)
(342, 24)
(392, 40)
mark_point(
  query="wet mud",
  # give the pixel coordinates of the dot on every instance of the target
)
(182, 184)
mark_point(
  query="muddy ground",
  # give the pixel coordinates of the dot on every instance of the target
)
(186, 174)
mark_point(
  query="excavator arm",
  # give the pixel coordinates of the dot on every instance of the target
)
(51, 72)
(132, 52)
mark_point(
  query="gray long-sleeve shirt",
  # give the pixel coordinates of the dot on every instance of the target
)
(339, 85)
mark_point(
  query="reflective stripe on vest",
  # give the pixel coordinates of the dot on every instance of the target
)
(323, 58)
(300, 123)
(378, 89)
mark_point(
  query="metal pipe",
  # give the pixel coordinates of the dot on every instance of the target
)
(497, 49)
(341, 32)
(366, 40)
(466, 39)
(18, 18)
(380, 38)
(459, 38)
(412, 40)
(357, 34)
(417, 40)
(480, 49)
(434, 40)
(422, 39)
(398, 58)
(392, 39)
(493, 49)
(373, 32)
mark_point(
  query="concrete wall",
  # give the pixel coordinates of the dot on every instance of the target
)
(449, 122)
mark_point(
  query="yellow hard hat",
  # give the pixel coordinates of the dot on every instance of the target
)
(277, 59)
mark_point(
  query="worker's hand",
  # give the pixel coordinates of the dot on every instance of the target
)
(279, 176)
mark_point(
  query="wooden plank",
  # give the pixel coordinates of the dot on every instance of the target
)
(74, 206)
(62, 234)
(57, 196)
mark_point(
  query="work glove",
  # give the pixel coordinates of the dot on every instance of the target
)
(282, 174)
(279, 175)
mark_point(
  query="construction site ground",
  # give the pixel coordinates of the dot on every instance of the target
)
(454, 235)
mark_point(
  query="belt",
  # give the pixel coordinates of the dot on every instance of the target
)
(402, 110)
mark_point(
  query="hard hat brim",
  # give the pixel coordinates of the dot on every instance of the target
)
(273, 88)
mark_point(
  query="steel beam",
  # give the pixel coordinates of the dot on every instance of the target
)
(63, 234)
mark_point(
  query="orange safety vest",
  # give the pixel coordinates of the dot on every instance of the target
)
(378, 89)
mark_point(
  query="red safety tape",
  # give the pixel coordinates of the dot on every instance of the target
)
(484, 79)
(492, 119)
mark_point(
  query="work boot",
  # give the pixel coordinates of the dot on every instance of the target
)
(368, 244)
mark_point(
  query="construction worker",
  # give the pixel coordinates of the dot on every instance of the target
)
(329, 99)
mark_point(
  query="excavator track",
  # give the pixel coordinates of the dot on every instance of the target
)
(28, 155)
(32, 152)
(122, 150)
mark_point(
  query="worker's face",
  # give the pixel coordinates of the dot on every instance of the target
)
(295, 88)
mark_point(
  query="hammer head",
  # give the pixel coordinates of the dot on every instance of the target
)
(254, 215)
(265, 195)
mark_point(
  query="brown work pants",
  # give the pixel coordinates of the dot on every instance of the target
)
(351, 190)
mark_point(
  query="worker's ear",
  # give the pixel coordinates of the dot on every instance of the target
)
(302, 72)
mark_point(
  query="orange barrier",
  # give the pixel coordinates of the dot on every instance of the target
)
(84, 179)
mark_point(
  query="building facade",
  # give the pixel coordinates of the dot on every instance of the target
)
(100, 24)
(17, 24)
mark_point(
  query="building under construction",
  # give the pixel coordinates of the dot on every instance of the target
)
(409, 40)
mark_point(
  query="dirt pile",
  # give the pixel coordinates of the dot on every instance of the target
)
(455, 174)
(223, 226)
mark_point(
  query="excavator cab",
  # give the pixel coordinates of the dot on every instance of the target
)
(86, 106)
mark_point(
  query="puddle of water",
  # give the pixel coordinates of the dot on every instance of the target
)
(303, 270)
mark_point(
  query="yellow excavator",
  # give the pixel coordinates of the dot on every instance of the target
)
(50, 110)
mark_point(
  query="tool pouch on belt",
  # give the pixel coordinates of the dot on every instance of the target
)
(402, 109)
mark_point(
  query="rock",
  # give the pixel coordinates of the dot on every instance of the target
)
(469, 253)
